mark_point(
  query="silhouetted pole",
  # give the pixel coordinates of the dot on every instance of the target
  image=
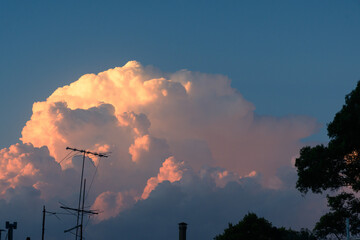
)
(10, 228)
(43, 224)
(1, 230)
(82, 192)
(82, 212)
(347, 229)
(182, 231)
(81, 184)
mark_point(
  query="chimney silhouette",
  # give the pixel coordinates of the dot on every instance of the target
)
(182, 231)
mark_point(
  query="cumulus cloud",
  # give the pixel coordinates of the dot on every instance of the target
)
(208, 209)
(24, 166)
(110, 204)
(189, 131)
(171, 171)
(178, 107)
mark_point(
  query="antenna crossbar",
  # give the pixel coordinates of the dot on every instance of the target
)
(71, 229)
(87, 152)
(80, 210)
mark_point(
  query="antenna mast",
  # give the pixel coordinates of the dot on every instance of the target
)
(80, 209)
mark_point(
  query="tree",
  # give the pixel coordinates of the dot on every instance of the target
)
(336, 167)
(255, 228)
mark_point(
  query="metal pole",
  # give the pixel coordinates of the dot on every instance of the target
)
(78, 210)
(10, 228)
(81, 183)
(10, 234)
(1, 230)
(347, 229)
(43, 223)
(82, 212)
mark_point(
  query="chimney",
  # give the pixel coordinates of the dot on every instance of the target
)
(182, 231)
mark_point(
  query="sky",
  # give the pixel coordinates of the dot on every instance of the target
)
(203, 104)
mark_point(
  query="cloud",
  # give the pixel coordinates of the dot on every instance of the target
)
(185, 133)
(110, 204)
(208, 209)
(178, 107)
(23, 165)
(171, 171)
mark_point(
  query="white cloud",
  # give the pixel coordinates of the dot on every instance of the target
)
(188, 131)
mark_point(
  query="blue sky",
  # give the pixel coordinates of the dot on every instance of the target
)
(286, 57)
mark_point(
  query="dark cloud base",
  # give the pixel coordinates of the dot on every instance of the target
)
(208, 210)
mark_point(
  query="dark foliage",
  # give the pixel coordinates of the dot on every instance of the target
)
(336, 166)
(255, 228)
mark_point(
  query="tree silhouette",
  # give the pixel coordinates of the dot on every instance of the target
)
(336, 167)
(255, 228)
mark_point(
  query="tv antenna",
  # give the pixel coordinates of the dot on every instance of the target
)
(80, 209)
